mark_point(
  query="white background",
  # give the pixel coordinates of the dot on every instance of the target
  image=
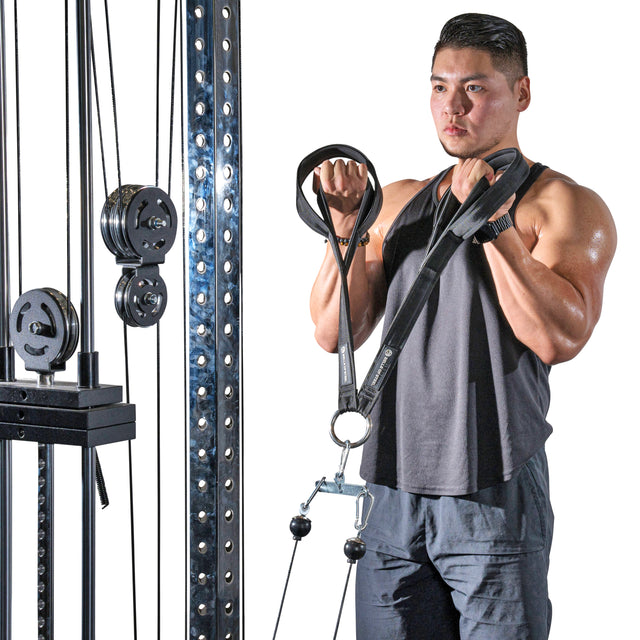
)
(353, 72)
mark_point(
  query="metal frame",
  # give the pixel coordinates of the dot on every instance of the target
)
(213, 104)
(90, 414)
(86, 414)
(7, 371)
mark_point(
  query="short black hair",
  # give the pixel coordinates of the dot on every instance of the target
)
(497, 36)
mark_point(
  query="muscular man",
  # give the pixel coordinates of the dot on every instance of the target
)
(459, 540)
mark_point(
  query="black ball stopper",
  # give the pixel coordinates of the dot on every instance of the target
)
(354, 549)
(300, 527)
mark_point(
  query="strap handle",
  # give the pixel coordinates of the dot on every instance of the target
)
(483, 201)
(459, 223)
(323, 224)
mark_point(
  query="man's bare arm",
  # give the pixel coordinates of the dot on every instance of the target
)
(552, 295)
(367, 290)
(366, 279)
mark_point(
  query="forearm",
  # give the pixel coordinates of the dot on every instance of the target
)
(546, 311)
(325, 300)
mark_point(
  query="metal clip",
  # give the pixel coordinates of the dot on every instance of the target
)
(304, 506)
(362, 518)
(339, 477)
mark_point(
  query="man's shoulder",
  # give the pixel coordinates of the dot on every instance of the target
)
(396, 196)
(555, 195)
(557, 207)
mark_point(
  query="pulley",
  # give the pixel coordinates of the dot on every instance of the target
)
(139, 224)
(139, 227)
(44, 330)
(141, 297)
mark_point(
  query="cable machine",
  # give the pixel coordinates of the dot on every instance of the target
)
(139, 225)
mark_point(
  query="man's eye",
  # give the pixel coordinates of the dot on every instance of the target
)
(438, 88)
(474, 88)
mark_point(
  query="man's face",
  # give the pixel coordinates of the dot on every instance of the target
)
(474, 108)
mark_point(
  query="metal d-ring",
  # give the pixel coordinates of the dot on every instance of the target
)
(341, 443)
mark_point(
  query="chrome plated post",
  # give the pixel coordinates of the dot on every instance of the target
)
(87, 359)
(5, 299)
(87, 363)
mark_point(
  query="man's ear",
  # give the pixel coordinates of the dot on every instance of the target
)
(523, 91)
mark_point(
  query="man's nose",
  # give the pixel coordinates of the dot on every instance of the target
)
(456, 104)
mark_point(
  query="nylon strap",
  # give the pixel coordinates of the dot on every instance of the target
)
(453, 224)
(367, 213)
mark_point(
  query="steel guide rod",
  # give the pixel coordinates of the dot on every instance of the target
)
(6, 357)
(87, 359)
(215, 393)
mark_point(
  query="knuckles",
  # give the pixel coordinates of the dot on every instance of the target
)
(340, 179)
(466, 174)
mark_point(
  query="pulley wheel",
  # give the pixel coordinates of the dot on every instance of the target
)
(44, 329)
(141, 297)
(139, 224)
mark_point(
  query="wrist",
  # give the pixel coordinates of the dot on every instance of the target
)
(364, 240)
(492, 229)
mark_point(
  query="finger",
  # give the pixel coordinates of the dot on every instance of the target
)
(339, 175)
(480, 169)
(352, 168)
(315, 185)
(327, 175)
(363, 173)
(340, 168)
(357, 175)
(497, 177)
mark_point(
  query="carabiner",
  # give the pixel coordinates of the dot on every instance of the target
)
(344, 456)
(362, 518)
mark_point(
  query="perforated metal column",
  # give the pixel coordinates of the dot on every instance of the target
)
(213, 99)
(45, 541)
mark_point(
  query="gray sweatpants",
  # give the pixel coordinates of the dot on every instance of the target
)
(470, 567)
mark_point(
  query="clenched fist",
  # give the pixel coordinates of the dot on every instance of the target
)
(467, 173)
(343, 185)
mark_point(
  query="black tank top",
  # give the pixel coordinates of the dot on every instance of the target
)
(467, 403)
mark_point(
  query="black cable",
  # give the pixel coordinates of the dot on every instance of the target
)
(99, 115)
(172, 98)
(131, 491)
(132, 530)
(157, 183)
(18, 149)
(113, 94)
(158, 478)
(125, 335)
(67, 142)
(344, 593)
(158, 447)
(286, 585)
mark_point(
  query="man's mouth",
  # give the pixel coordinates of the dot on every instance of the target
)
(453, 130)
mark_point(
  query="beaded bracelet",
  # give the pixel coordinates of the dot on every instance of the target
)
(364, 241)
